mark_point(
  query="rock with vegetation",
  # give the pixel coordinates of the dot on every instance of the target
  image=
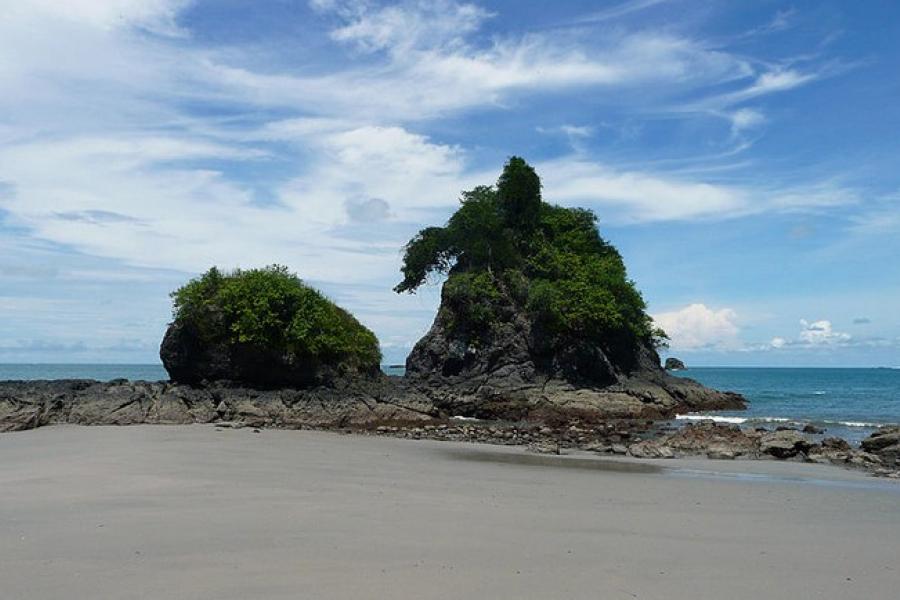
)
(537, 314)
(263, 328)
(674, 364)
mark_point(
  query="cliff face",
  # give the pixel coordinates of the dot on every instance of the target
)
(510, 371)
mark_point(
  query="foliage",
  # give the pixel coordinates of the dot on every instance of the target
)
(273, 309)
(505, 246)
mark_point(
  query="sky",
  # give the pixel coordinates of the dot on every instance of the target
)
(742, 156)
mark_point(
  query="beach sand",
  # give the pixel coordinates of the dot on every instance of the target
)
(192, 512)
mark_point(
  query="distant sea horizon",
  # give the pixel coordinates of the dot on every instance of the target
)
(849, 402)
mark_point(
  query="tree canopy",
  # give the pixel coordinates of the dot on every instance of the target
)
(505, 246)
(272, 309)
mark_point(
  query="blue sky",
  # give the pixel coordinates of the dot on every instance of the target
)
(743, 156)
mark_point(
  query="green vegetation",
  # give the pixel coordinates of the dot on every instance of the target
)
(507, 251)
(273, 310)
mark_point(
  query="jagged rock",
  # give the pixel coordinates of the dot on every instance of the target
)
(884, 443)
(784, 444)
(358, 403)
(708, 437)
(508, 377)
(650, 449)
(721, 453)
(674, 364)
(810, 428)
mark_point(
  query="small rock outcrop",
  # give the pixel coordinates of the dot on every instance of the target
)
(885, 444)
(264, 328)
(674, 364)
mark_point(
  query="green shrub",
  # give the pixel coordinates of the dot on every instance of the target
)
(273, 309)
(504, 246)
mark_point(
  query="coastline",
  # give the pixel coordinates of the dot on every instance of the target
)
(193, 511)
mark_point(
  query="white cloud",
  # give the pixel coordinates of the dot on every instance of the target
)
(158, 16)
(813, 334)
(400, 28)
(744, 119)
(697, 327)
(821, 333)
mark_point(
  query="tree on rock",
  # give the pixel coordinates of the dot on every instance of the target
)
(529, 282)
(263, 327)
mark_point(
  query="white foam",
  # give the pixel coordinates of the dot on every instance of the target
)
(742, 420)
(716, 418)
(462, 418)
(855, 423)
(819, 393)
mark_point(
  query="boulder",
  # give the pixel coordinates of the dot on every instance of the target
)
(784, 444)
(714, 439)
(884, 443)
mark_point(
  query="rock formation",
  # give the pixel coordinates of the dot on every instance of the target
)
(264, 328)
(885, 443)
(538, 316)
(30, 404)
(674, 364)
(505, 375)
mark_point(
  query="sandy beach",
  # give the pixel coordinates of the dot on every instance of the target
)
(194, 512)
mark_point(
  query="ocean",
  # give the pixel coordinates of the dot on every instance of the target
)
(850, 403)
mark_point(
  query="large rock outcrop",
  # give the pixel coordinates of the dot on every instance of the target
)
(508, 372)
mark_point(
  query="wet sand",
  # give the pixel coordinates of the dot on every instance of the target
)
(192, 512)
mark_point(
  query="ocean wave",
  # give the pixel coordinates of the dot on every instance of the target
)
(819, 393)
(716, 418)
(751, 420)
(856, 423)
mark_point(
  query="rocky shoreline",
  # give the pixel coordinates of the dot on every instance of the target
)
(401, 408)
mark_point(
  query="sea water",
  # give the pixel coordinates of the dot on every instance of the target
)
(849, 403)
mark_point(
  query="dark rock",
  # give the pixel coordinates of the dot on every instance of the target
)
(357, 403)
(674, 364)
(810, 428)
(885, 444)
(714, 440)
(507, 373)
(189, 360)
(784, 444)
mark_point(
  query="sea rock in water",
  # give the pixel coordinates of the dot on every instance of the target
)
(674, 364)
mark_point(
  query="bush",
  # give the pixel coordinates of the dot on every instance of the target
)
(271, 309)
